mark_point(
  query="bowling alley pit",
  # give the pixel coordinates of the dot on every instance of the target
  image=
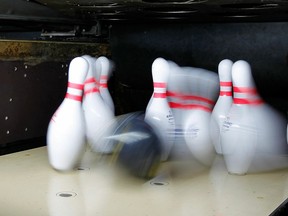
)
(124, 173)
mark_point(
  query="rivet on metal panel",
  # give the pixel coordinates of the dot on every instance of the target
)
(6, 118)
(26, 129)
(7, 132)
(10, 99)
(25, 75)
(15, 68)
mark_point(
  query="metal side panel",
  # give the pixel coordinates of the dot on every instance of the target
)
(33, 79)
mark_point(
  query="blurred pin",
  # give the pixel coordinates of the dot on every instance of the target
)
(198, 113)
(96, 112)
(66, 130)
(177, 88)
(158, 113)
(223, 103)
(106, 71)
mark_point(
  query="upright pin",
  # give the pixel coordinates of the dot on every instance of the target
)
(239, 130)
(106, 71)
(158, 113)
(66, 130)
(223, 103)
(253, 134)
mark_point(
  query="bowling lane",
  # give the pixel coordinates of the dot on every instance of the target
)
(29, 186)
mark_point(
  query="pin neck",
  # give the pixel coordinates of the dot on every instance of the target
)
(74, 91)
(246, 95)
(103, 81)
(225, 88)
(91, 86)
(159, 90)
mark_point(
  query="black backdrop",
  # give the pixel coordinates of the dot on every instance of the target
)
(135, 46)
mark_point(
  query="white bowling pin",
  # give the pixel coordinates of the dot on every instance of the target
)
(106, 71)
(262, 126)
(158, 114)
(223, 103)
(66, 130)
(97, 114)
(239, 133)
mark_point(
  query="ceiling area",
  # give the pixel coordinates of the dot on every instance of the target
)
(91, 17)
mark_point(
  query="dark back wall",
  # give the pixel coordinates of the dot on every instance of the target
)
(263, 45)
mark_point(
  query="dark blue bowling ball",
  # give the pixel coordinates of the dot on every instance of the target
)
(137, 147)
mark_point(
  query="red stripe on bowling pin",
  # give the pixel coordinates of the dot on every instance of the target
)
(174, 105)
(75, 86)
(245, 90)
(92, 90)
(189, 97)
(225, 93)
(73, 97)
(248, 91)
(226, 84)
(159, 95)
(159, 85)
(246, 101)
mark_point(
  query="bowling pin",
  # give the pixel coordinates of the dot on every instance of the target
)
(223, 103)
(66, 130)
(253, 132)
(239, 132)
(106, 70)
(158, 114)
(97, 114)
(198, 114)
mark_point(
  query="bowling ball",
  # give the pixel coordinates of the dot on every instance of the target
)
(136, 146)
